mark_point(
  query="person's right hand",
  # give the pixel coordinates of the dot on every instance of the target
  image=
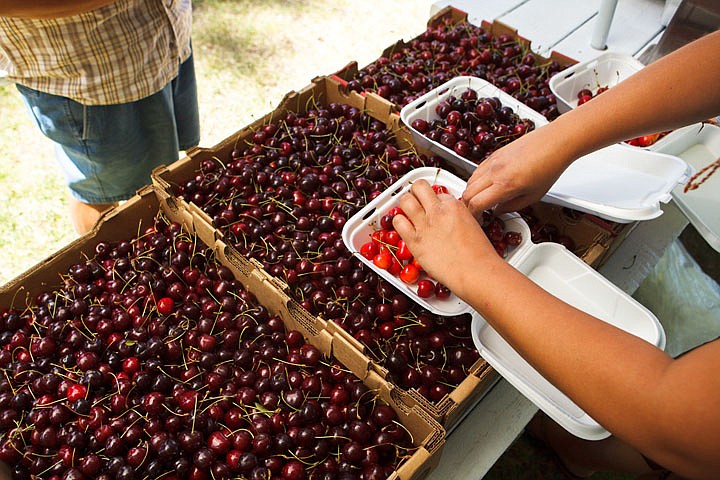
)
(515, 175)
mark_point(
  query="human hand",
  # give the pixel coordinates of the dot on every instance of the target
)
(515, 175)
(443, 236)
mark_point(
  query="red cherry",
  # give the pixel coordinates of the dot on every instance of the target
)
(392, 238)
(395, 267)
(442, 292)
(386, 329)
(403, 252)
(438, 189)
(395, 211)
(584, 99)
(76, 392)
(369, 250)
(410, 274)
(131, 365)
(378, 237)
(383, 260)
(426, 288)
(165, 306)
(293, 470)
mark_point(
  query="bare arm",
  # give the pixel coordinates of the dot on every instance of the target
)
(672, 92)
(663, 407)
(48, 8)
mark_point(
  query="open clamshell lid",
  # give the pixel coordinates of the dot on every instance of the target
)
(620, 183)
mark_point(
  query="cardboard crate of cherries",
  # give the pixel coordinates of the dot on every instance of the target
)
(137, 353)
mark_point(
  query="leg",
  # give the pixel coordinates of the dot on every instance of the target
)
(108, 152)
(84, 216)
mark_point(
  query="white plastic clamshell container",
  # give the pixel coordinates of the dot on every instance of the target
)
(699, 146)
(562, 274)
(606, 70)
(620, 183)
(359, 228)
(424, 108)
(549, 265)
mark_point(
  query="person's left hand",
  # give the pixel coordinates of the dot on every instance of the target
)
(442, 235)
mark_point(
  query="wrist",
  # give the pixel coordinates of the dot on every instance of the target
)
(477, 275)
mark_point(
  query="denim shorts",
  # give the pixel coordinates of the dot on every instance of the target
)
(107, 152)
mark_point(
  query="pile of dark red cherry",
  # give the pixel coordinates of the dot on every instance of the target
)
(283, 199)
(151, 361)
(448, 50)
(473, 126)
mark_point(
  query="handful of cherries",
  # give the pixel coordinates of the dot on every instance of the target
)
(389, 252)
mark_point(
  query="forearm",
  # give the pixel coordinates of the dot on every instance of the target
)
(48, 8)
(675, 91)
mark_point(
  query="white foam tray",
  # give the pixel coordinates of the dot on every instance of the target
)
(424, 108)
(698, 145)
(606, 70)
(620, 183)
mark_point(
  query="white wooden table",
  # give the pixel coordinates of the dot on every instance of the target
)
(566, 26)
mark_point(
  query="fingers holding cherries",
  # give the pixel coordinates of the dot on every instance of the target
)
(442, 235)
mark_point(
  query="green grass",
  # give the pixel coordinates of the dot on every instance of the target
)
(33, 216)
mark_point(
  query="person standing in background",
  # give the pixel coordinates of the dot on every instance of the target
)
(111, 83)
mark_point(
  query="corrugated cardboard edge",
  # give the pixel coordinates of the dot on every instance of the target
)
(469, 393)
(277, 302)
(428, 435)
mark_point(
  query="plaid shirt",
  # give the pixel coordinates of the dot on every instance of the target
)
(118, 53)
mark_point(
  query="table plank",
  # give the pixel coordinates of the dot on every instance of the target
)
(482, 437)
(634, 25)
(480, 10)
(547, 22)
